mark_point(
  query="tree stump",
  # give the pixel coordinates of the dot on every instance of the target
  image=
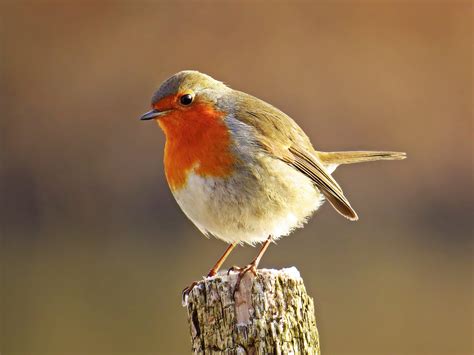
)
(271, 314)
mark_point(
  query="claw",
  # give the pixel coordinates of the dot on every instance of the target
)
(186, 291)
(234, 268)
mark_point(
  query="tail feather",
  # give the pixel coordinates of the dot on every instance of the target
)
(338, 158)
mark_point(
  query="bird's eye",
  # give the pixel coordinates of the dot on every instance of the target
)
(186, 99)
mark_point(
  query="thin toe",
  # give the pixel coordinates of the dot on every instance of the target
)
(242, 271)
(234, 268)
(187, 290)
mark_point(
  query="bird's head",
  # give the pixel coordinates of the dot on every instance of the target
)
(188, 107)
(183, 94)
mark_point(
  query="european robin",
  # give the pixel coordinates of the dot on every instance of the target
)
(241, 169)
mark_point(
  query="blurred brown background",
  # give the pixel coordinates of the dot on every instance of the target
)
(94, 249)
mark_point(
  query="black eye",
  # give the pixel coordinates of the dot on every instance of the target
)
(186, 99)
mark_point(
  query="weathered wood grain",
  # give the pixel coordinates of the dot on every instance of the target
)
(271, 314)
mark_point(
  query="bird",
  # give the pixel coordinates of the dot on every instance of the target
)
(240, 169)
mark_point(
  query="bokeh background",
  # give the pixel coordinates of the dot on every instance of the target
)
(94, 250)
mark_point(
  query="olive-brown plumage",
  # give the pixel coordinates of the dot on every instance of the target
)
(240, 169)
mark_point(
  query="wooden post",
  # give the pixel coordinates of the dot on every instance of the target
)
(271, 314)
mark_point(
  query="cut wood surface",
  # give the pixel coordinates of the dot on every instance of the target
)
(271, 314)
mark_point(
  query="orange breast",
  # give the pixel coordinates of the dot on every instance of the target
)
(196, 138)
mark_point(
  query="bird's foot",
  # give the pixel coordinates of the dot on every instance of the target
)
(252, 267)
(186, 291)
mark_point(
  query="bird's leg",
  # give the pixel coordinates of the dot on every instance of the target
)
(214, 269)
(252, 267)
(221, 260)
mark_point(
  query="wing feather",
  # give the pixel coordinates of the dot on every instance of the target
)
(281, 137)
(312, 168)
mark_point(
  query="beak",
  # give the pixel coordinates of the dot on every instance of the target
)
(152, 114)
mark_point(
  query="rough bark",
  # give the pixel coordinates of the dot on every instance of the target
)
(271, 314)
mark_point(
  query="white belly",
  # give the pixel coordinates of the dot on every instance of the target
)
(272, 199)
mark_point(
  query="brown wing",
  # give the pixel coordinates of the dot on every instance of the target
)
(284, 139)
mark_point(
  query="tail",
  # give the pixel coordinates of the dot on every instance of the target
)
(333, 159)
